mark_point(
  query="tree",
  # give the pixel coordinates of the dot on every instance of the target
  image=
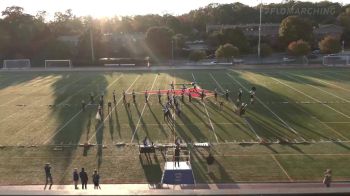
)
(329, 45)
(159, 41)
(197, 55)
(299, 48)
(295, 28)
(265, 50)
(227, 51)
(236, 38)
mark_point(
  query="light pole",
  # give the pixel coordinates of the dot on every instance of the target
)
(259, 43)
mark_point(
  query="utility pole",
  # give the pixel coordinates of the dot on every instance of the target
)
(259, 43)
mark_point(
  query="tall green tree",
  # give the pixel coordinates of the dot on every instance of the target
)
(295, 28)
(227, 51)
(159, 41)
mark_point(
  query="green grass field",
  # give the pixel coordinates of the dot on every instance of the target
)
(307, 108)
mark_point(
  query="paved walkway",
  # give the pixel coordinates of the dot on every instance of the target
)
(200, 189)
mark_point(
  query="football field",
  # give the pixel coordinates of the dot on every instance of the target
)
(298, 126)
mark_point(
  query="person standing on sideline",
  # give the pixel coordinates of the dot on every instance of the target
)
(210, 162)
(92, 98)
(190, 97)
(124, 96)
(177, 156)
(83, 178)
(96, 180)
(48, 175)
(327, 178)
(75, 178)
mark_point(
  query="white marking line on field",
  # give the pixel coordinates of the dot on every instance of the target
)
(70, 120)
(115, 106)
(339, 112)
(64, 86)
(336, 122)
(65, 100)
(284, 171)
(206, 111)
(341, 135)
(332, 94)
(337, 86)
(262, 103)
(252, 129)
(217, 83)
(143, 109)
(247, 123)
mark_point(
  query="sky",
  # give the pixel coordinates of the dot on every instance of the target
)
(108, 8)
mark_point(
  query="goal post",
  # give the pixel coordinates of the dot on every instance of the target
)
(336, 60)
(16, 64)
(58, 63)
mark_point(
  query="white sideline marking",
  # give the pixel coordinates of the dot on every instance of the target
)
(247, 123)
(262, 103)
(332, 94)
(143, 109)
(280, 166)
(70, 120)
(337, 86)
(206, 111)
(309, 96)
(115, 106)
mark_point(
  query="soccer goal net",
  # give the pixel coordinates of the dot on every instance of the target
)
(16, 64)
(58, 64)
(336, 60)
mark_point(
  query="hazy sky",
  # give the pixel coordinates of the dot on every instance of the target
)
(101, 8)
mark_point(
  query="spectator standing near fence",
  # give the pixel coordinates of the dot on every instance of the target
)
(75, 178)
(83, 178)
(327, 177)
(96, 180)
(210, 161)
(48, 175)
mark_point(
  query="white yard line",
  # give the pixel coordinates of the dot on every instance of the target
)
(115, 106)
(269, 109)
(339, 112)
(62, 102)
(247, 123)
(71, 119)
(337, 86)
(206, 111)
(337, 122)
(280, 166)
(329, 93)
(252, 129)
(143, 109)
